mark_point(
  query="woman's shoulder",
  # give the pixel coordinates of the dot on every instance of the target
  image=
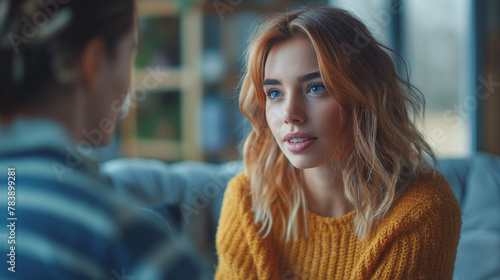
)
(238, 191)
(431, 189)
(239, 183)
(429, 197)
(236, 210)
(241, 180)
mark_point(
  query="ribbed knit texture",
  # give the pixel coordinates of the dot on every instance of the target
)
(417, 239)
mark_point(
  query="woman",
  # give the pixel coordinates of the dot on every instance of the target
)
(335, 183)
(64, 74)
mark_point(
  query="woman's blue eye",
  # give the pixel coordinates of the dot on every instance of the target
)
(317, 88)
(273, 94)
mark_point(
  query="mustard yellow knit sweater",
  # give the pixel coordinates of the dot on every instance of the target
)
(417, 239)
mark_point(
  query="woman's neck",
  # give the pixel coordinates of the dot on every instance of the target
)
(324, 190)
(66, 109)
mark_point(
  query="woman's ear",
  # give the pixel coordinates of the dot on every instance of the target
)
(91, 62)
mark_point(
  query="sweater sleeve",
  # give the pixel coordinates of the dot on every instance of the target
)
(420, 241)
(234, 258)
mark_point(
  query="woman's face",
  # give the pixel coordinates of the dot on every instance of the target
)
(306, 121)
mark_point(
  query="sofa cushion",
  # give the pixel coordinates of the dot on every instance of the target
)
(476, 183)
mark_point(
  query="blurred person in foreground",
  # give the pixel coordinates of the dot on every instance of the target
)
(335, 185)
(64, 73)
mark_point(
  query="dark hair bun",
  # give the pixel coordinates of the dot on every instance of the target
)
(40, 38)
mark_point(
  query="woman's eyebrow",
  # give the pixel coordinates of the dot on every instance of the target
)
(271, 82)
(304, 78)
(309, 76)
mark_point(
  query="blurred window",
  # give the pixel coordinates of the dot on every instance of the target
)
(436, 39)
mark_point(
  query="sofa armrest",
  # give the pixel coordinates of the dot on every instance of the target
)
(189, 193)
(476, 183)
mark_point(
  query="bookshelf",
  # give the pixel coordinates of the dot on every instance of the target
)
(163, 121)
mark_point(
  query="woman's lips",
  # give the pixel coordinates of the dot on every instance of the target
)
(300, 146)
(297, 141)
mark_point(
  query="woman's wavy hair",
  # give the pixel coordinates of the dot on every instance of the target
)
(386, 154)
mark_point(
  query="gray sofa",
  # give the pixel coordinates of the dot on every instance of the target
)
(189, 195)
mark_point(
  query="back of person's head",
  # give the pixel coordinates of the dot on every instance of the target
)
(385, 151)
(41, 40)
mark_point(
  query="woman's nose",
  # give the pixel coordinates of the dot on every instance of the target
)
(293, 112)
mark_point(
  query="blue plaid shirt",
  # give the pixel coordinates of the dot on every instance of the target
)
(65, 222)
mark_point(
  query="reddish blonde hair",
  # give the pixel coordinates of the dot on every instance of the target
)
(387, 151)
